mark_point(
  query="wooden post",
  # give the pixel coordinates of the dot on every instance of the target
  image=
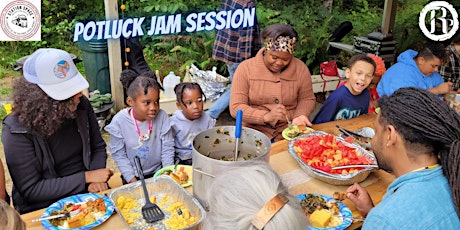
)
(389, 14)
(114, 52)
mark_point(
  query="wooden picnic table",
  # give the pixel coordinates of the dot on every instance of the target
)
(297, 181)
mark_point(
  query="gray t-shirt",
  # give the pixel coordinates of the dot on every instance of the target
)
(185, 130)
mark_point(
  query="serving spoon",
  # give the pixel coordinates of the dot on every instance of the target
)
(355, 166)
(239, 121)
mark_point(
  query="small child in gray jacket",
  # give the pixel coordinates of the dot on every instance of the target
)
(189, 120)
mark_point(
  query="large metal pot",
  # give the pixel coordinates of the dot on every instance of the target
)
(214, 150)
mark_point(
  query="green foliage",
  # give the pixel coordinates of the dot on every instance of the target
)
(2, 112)
(175, 52)
(5, 91)
(407, 31)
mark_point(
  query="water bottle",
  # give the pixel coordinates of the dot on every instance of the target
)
(169, 82)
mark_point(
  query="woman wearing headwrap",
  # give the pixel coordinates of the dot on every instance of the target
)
(273, 86)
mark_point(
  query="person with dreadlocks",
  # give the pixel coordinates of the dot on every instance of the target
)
(417, 138)
(141, 130)
(189, 120)
(273, 87)
(416, 69)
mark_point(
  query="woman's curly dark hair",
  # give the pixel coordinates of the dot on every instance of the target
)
(36, 110)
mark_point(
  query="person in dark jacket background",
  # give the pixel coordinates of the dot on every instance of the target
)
(52, 143)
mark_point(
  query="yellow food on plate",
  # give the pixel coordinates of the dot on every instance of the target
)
(180, 177)
(321, 213)
(320, 218)
(295, 131)
(87, 213)
(183, 174)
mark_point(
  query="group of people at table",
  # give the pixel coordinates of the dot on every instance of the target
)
(54, 148)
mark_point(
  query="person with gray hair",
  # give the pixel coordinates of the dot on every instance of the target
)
(246, 202)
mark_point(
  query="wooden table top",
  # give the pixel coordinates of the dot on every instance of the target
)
(377, 188)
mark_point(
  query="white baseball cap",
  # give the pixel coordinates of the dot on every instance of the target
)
(55, 73)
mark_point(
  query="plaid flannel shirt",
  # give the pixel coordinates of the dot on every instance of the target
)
(236, 45)
(450, 71)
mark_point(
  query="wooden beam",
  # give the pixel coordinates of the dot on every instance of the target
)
(114, 52)
(389, 13)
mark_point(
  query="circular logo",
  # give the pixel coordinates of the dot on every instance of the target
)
(61, 69)
(20, 20)
(438, 16)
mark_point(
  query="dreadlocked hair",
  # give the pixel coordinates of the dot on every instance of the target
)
(37, 111)
(179, 90)
(135, 83)
(423, 119)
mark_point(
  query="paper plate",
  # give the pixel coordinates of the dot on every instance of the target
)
(80, 198)
(344, 211)
(187, 168)
(295, 128)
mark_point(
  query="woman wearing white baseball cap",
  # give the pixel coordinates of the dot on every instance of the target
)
(52, 142)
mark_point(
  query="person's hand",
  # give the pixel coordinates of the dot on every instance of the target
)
(98, 175)
(278, 113)
(301, 120)
(132, 180)
(360, 197)
(443, 88)
(97, 187)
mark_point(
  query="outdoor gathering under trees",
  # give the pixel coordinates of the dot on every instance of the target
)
(312, 20)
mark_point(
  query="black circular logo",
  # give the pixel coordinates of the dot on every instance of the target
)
(20, 20)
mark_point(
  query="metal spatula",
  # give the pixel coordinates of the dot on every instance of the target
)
(151, 212)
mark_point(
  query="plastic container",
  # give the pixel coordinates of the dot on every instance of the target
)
(96, 63)
(169, 82)
(166, 191)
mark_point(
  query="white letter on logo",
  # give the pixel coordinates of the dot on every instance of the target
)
(78, 30)
(137, 27)
(90, 25)
(190, 21)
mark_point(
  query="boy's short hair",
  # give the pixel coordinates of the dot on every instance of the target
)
(361, 57)
(431, 50)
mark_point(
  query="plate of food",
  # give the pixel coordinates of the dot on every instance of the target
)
(294, 131)
(182, 175)
(325, 212)
(90, 210)
(331, 159)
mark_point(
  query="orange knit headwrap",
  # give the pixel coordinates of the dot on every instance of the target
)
(380, 65)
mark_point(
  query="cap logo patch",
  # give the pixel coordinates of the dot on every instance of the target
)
(61, 69)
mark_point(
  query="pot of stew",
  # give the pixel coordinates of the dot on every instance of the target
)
(214, 152)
